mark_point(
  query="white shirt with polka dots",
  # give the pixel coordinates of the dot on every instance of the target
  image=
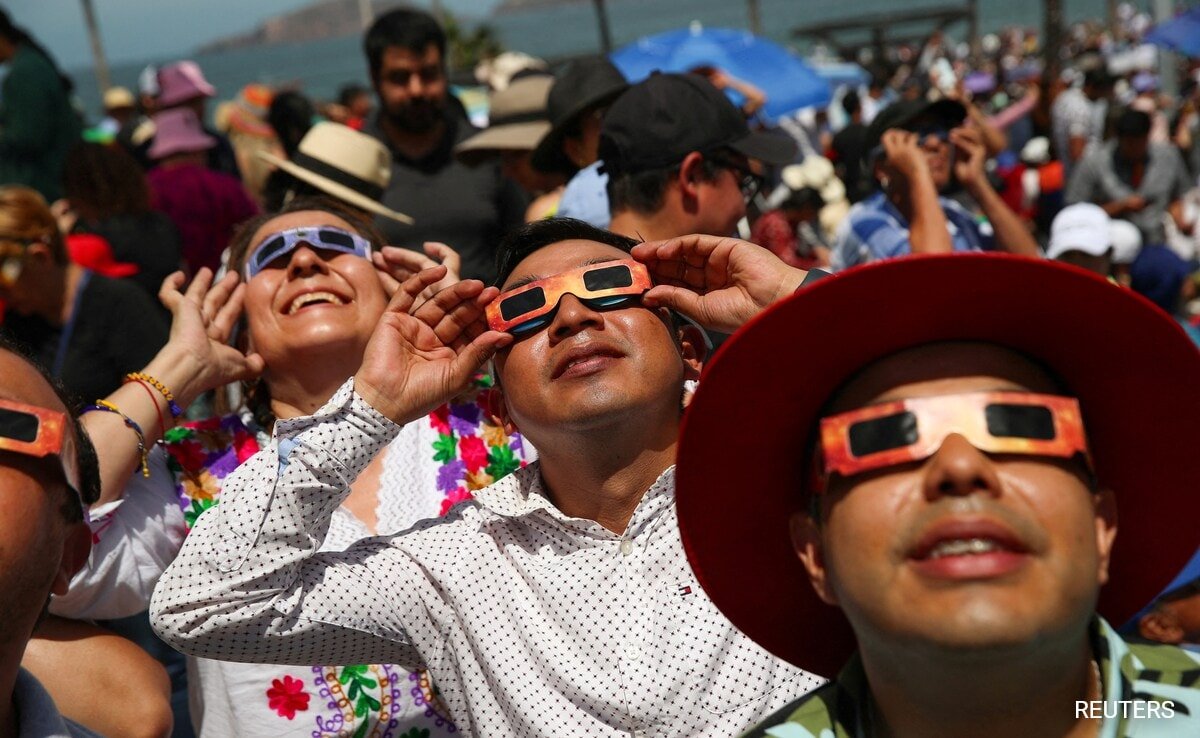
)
(531, 623)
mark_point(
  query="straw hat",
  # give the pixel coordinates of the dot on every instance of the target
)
(517, 118)
(116, 98)
(340, 161)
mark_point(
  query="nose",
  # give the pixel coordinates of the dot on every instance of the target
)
(305, 262)
(572, 317)
(416, 85)
(959, 469)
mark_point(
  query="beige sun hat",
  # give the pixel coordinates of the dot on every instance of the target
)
(518, 120)
(346, 164)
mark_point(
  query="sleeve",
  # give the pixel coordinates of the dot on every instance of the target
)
(869, 237)
(133, 541)
(249, 583)
(1081, 184)
(29, 128)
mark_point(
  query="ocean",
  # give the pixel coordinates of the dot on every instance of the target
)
(320, 68)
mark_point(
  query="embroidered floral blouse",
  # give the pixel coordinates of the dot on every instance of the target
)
(432, 465)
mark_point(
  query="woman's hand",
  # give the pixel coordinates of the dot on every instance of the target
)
(396, 265)
(197, 356)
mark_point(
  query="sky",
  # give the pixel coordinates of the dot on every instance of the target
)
(133, 30)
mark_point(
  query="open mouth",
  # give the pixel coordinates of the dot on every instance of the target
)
(585, 362)
(969, 550)
(313, 298)
(966, 547)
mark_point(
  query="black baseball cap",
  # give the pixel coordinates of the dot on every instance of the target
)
(902, 113)
(659, 121)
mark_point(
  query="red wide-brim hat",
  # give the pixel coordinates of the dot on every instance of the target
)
(745, 437)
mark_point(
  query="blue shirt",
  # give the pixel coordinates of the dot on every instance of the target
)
(874, 229)
(586, 197)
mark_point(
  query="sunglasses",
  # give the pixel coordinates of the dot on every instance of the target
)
(327, 238)
(605, 286)
(749, 182)
(38, 432)
(893, 433)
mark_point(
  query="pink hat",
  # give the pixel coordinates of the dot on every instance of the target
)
(178, 131)
(180, 82)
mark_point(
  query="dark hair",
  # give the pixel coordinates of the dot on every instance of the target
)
(1098, 77)
(850, 103)
(643, 192)
(87, 466)
(17, 35)
(290, 115)
(102, 181)
(348, 92)
(1131, 123)
(404, 27)
(802, 198)
(531, 237)
(257, 398)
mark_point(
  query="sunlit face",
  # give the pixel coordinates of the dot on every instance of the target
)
(588, 368)
(720, 201)
(411, 88)
(311, 302)
(35, 539)
(962, 550)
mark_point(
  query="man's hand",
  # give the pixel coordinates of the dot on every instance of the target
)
(395, 265)
(415, 362)
(972, 155)
(197, 356)
(902, 150)
(719, 282)
(1133, 204)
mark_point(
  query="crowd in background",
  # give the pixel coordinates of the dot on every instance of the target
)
(942, 148)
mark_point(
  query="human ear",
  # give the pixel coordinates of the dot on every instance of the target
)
(690, 175)
(1106, 530)
(77, 545)
(497, 408)
(1161, 626)
(806, 541)
(693, 350)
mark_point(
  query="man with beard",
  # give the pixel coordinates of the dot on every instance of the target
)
(420, 122)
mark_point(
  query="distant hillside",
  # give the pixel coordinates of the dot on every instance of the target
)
(320, 20)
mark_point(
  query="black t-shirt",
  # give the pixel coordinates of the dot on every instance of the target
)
(148, 239)
(117, 330)
(469, 208)
(850, 145)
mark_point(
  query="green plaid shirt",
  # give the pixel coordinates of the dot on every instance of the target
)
(1130, 672)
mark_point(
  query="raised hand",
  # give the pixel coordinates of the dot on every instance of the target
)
(972, 155)
(902, 150)
(420, 357)
(719, 282)
(395, 265)
(197, 356)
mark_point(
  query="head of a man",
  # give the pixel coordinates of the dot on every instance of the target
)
(677, 151)
(962, 551)
(48, 472)
(1132, 129)
(932, 123)
(406, 53)
(1098, 83)
(1081, 235)
(33, 254)
(593, 362)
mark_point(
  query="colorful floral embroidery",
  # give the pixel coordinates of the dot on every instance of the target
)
(287, 697)
(201, 454)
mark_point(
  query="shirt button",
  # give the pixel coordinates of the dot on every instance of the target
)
(626, 546)
(638, 734)
(633, 653)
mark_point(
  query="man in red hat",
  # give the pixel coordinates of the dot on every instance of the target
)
(941, 493)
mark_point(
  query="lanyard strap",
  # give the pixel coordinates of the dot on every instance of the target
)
(60, 356)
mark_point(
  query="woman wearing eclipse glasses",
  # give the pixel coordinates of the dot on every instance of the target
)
(315, 281)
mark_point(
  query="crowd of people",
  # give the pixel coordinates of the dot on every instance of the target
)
(355, 419)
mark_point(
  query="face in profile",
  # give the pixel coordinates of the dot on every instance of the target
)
(311, 301)
(588, 367)
(963, 550)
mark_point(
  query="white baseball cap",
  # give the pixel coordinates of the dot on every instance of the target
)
(1080, 227)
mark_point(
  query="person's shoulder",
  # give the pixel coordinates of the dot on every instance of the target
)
(811, 716)
(1163, 663)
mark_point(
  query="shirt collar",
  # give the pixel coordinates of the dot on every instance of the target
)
(523, 493)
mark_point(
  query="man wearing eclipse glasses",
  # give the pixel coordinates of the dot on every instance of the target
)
(942, 495)
(558, 602)
(48, 476)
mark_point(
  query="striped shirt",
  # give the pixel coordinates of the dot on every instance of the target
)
(874, 229)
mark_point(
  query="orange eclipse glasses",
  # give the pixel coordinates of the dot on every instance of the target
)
(38, 432)
(909, 430)
(604, 286)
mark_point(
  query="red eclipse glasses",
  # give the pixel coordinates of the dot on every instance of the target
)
(38, 432)
(898, 432)
(602, 286)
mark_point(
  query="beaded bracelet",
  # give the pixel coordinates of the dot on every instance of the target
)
(176, 411)
(108, 407)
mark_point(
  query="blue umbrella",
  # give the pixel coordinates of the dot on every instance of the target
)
(789, 83)
(1181, 33)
